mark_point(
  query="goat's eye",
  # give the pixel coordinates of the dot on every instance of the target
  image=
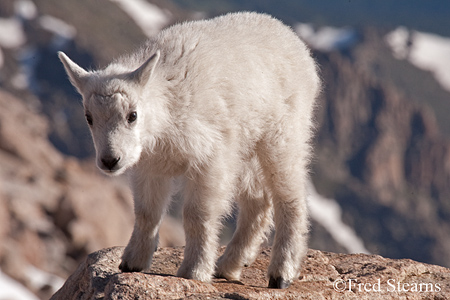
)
(132, 117)
(89, 119)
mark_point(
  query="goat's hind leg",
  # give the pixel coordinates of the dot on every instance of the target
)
(254, 221)
(207, 198)
(286, 173)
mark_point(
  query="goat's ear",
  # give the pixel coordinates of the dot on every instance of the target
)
(77, 75)
(143, 74)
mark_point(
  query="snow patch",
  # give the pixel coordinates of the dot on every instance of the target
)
(25, 9)
(38, 279)
(328, 213)
(12, 36)
(57, 26)
(11, 33)
(326, 38)
(25, 78)
(20, 81)
(149, 17)
(399, 41)
(11, 289)
(426, 51)
(63, 32)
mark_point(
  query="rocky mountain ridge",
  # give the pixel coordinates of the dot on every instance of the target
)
(382, 156)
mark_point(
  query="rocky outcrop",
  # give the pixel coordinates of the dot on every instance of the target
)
(324, 276)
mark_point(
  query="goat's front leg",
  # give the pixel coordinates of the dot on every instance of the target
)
(151, 196)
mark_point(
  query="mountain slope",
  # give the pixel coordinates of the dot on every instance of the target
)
(381, 156)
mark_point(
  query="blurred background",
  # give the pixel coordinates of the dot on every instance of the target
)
(381, 174)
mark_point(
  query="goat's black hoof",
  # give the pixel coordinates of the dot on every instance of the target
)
(126, 269)
(278, 283)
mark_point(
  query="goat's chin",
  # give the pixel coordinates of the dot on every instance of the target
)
(116, 171)
(113, 172)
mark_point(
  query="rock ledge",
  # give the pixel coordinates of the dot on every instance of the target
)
(325, 276)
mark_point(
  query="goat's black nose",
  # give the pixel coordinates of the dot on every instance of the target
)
(110, 162)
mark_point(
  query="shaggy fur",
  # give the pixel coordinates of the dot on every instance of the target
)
(227, 103)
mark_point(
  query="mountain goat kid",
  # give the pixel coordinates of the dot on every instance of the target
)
(228, 104)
